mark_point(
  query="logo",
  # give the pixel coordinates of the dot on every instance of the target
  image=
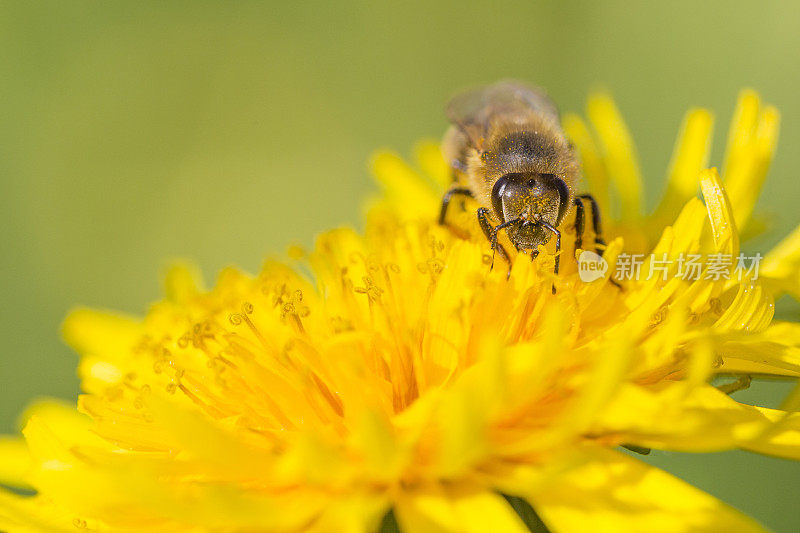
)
(591, 266)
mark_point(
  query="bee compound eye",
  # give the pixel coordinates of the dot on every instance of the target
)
(497, 196)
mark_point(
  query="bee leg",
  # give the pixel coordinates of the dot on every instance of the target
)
(557, 233)
(496, 230)
(448, 196)
(491, 234)
(599, 243)
(579, 223)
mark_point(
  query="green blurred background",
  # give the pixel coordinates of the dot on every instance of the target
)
(131, 133)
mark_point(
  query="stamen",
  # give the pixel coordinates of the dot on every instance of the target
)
(372, 291)
(659, 316)
(433, 265)
(238, 318)
(291, 307)
(716, 306)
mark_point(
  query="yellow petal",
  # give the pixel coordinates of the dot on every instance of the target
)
(675, 417)
(130, 490)
(688, 159)
(374, 437)
(701, 359)
(208, 442)
(752, 309)
(107, 335)
(792, 401)
(591, 160)
(613, 492)
(780, 268)
(619, 152)
(742, 126)
(463, 421)
(353, 514)
(63, 420)
(609, 369)
(461, 512)
(22, 514)
(698, 419)
(780, 439)
(723, 226)
(430, 160)
(182, 282)
(15, 462)
(774, 351)
(752, 140)
(411, 196)
(734, 366)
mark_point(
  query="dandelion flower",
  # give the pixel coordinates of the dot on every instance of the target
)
(394, 372)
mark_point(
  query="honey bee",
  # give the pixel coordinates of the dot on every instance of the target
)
(509, 152)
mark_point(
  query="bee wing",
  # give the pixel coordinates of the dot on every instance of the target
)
(472, 111)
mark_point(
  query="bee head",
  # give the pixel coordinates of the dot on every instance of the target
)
(529, 196)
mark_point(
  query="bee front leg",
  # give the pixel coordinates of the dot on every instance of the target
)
(599, 243)
(579, 224)
(491, 234)
(448, 196)
(557, 233)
